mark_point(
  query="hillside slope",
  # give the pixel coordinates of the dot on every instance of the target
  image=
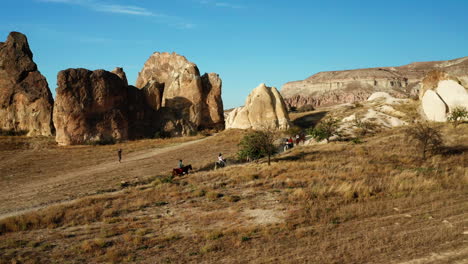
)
(375, 202)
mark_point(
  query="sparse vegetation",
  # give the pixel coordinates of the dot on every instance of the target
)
(325, 129)
(458, 115)
(375, 202)
(363, 127)
(427, 138)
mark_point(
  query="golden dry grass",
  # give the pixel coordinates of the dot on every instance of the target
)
(374, 202)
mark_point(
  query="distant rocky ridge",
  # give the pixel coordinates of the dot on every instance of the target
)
(264, 109)
(25, 99)
(336, 87)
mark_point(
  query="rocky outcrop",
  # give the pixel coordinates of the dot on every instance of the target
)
(120, 72)
(189, 102)
(25, 99)
(336, 87)
(90, 106)
(264, 109)
(434, 108)
(212, 110)
(440, 94)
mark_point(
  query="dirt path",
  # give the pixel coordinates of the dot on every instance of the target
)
(79, 182)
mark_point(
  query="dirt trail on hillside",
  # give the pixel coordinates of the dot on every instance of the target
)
(88, 180)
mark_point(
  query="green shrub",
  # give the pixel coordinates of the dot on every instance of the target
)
(326, 129)
(256, 145)
(457, 115)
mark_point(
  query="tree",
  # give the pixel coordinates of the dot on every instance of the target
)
(326, 129)
(256, 145)
(457, 115)
(427, 138)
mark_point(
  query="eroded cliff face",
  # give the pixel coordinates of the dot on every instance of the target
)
(90, 106)
(189, 102)
(336, 87)
(25, 99)
(264, 109)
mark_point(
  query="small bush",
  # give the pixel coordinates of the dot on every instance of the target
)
(427, 138)
(326, 129)
(161, 134)
(306, 108)
(213, 195)
(233, 198)
(458, 115)
(363, 127)
(105, 140)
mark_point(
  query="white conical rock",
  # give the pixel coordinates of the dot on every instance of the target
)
(264, 109)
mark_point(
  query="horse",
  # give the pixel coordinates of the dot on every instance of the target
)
(219, 164)
(181, 171)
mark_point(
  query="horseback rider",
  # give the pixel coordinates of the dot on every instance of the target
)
(221, 160)
(181, 165)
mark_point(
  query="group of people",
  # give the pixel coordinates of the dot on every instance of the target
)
(289, 142)
(221, 161)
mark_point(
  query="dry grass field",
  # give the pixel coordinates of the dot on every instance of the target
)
(374, 202)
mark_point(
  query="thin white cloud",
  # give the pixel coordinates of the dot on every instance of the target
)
(107, 8)
(220, 4)
(126, 10)
(122, 9)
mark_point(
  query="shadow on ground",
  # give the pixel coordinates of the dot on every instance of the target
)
(309, 120)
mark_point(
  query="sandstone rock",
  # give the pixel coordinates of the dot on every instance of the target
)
(337, 87)
(212, 110)
(120, 72)
(25, 99)
(90, 106)
(194, 101)
(387, 98)
(441, 93)
(434, 108)
(264, 109)
(452, 93)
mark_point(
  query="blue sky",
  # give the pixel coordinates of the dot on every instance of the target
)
(246, 41)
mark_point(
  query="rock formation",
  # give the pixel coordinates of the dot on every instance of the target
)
(440, 93)
(90, 106)
(264, 109)
(25, 99)
(336, 87)
(189, 102)
(212, 110)
(120, 72)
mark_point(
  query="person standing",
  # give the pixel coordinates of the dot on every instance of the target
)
(119, 154)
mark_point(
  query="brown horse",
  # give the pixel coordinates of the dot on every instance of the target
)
(182, 171)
